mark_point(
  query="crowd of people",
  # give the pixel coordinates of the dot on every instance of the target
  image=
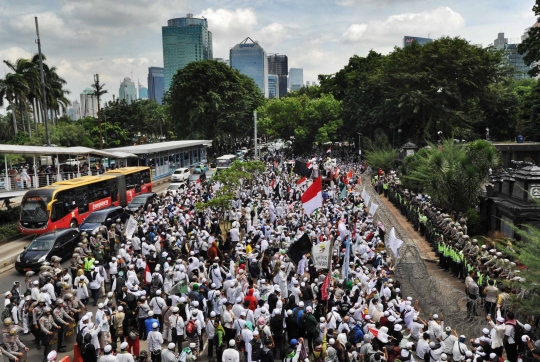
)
(195, 286)
(482, 268)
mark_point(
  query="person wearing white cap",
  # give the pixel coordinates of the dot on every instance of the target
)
(52, 356)
(108, 355)
(230, 354)
(460, 349)
(435, 327)
(497, 333)
(177, 327)
(156, 305)
(167, 354)
(155, 340)
(95, 284)
(124, 355)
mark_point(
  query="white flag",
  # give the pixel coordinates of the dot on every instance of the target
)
(321, 255)
(394, 243)
(364, 193)
(366, 200)
(373, 208)
(131, 227)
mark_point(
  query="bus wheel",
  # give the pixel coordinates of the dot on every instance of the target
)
(73, 224)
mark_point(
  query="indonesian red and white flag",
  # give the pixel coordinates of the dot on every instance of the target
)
(325, 287)
(147, 275)
(302, 181)
(312, 198)
(381, 336)
(272, 183)
(198, 184)
(309, 165)
(329, 150)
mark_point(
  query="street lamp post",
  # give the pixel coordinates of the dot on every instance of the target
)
(359, 146)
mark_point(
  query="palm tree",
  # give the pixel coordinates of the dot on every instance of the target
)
(98, 92)
(13, 88)
(30, 73)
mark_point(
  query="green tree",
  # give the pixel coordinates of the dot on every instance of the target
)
(229, 180)
(531, 45)
(452, 174)
(210, 100)
(384, 159)
(307, 120)
(13, 88)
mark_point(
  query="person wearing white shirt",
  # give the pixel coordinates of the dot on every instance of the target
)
(231, 354)
(177, 325)
(155, 340)
(497, 333)
(157, 304)
(124, 355)
(460, 349)
(423, 346)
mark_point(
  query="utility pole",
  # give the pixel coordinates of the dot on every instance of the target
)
(43, 98)
(255, 140)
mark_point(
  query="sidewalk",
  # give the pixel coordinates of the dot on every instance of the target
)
(426, 252)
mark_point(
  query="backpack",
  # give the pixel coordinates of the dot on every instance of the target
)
(191, 328)
(345, 307)
(303, 319)
(518, 331)
(155, 285)
(80, 338)
(295, 314)
(6, 313)
(354, 335)
(264, 337)
(276, 324)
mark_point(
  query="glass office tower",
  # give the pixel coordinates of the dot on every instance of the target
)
(185, 40)
(250, 59)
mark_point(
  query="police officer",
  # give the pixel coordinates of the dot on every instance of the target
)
(46, 325)
(63, 320)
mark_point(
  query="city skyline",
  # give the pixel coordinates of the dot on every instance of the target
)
(76, 35)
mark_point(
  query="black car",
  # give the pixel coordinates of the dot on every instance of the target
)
(141, 200)
(102, 217)
(60, 242)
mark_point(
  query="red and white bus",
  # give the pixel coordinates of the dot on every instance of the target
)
(67, 203)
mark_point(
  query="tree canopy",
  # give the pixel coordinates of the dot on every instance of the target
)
(210, 100)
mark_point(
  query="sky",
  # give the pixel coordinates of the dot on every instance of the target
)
(122, 38)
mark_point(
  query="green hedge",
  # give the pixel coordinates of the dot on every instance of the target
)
(8, 230)
(8, 216)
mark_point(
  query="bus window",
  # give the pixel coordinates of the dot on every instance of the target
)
(113, 190)
(146, 177)
(97, 191)
(82, 199)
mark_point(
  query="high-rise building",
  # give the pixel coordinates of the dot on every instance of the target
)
(156, 86)
(127, 91)
(273, 86)
(296, 79)
(408, 40)
(89, 103)
(513, 58)
(226, 61)
(74, 111)
(143, 92)
(185, 40)
(308, 83)
(279, 64)
(250, 59)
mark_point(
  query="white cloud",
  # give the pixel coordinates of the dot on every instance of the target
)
(440, 21)
(14, 53)
(354, 33)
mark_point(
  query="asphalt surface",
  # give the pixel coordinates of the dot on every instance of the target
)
(12, 249)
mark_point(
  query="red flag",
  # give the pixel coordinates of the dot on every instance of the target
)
(147, 275)
(381, 336)
(272, 183)
(309, 165)
(329, 150)
(302, 181)
(198, 184)
(349, 174)
(325, 287)
(312, 198)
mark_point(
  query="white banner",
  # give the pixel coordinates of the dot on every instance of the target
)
(366, 200)
(394, 243)
(321, 255)
(131, 226)
(363, 193)
(373, 208)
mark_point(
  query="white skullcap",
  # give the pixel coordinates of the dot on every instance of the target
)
(123, 345)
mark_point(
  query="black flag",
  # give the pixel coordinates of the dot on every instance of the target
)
(302, 169)
(299, 248)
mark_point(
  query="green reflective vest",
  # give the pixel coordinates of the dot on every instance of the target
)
(88, 264)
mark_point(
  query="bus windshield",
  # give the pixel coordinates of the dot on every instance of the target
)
(34, 209)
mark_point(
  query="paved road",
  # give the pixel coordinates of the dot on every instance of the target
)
(11, 250)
